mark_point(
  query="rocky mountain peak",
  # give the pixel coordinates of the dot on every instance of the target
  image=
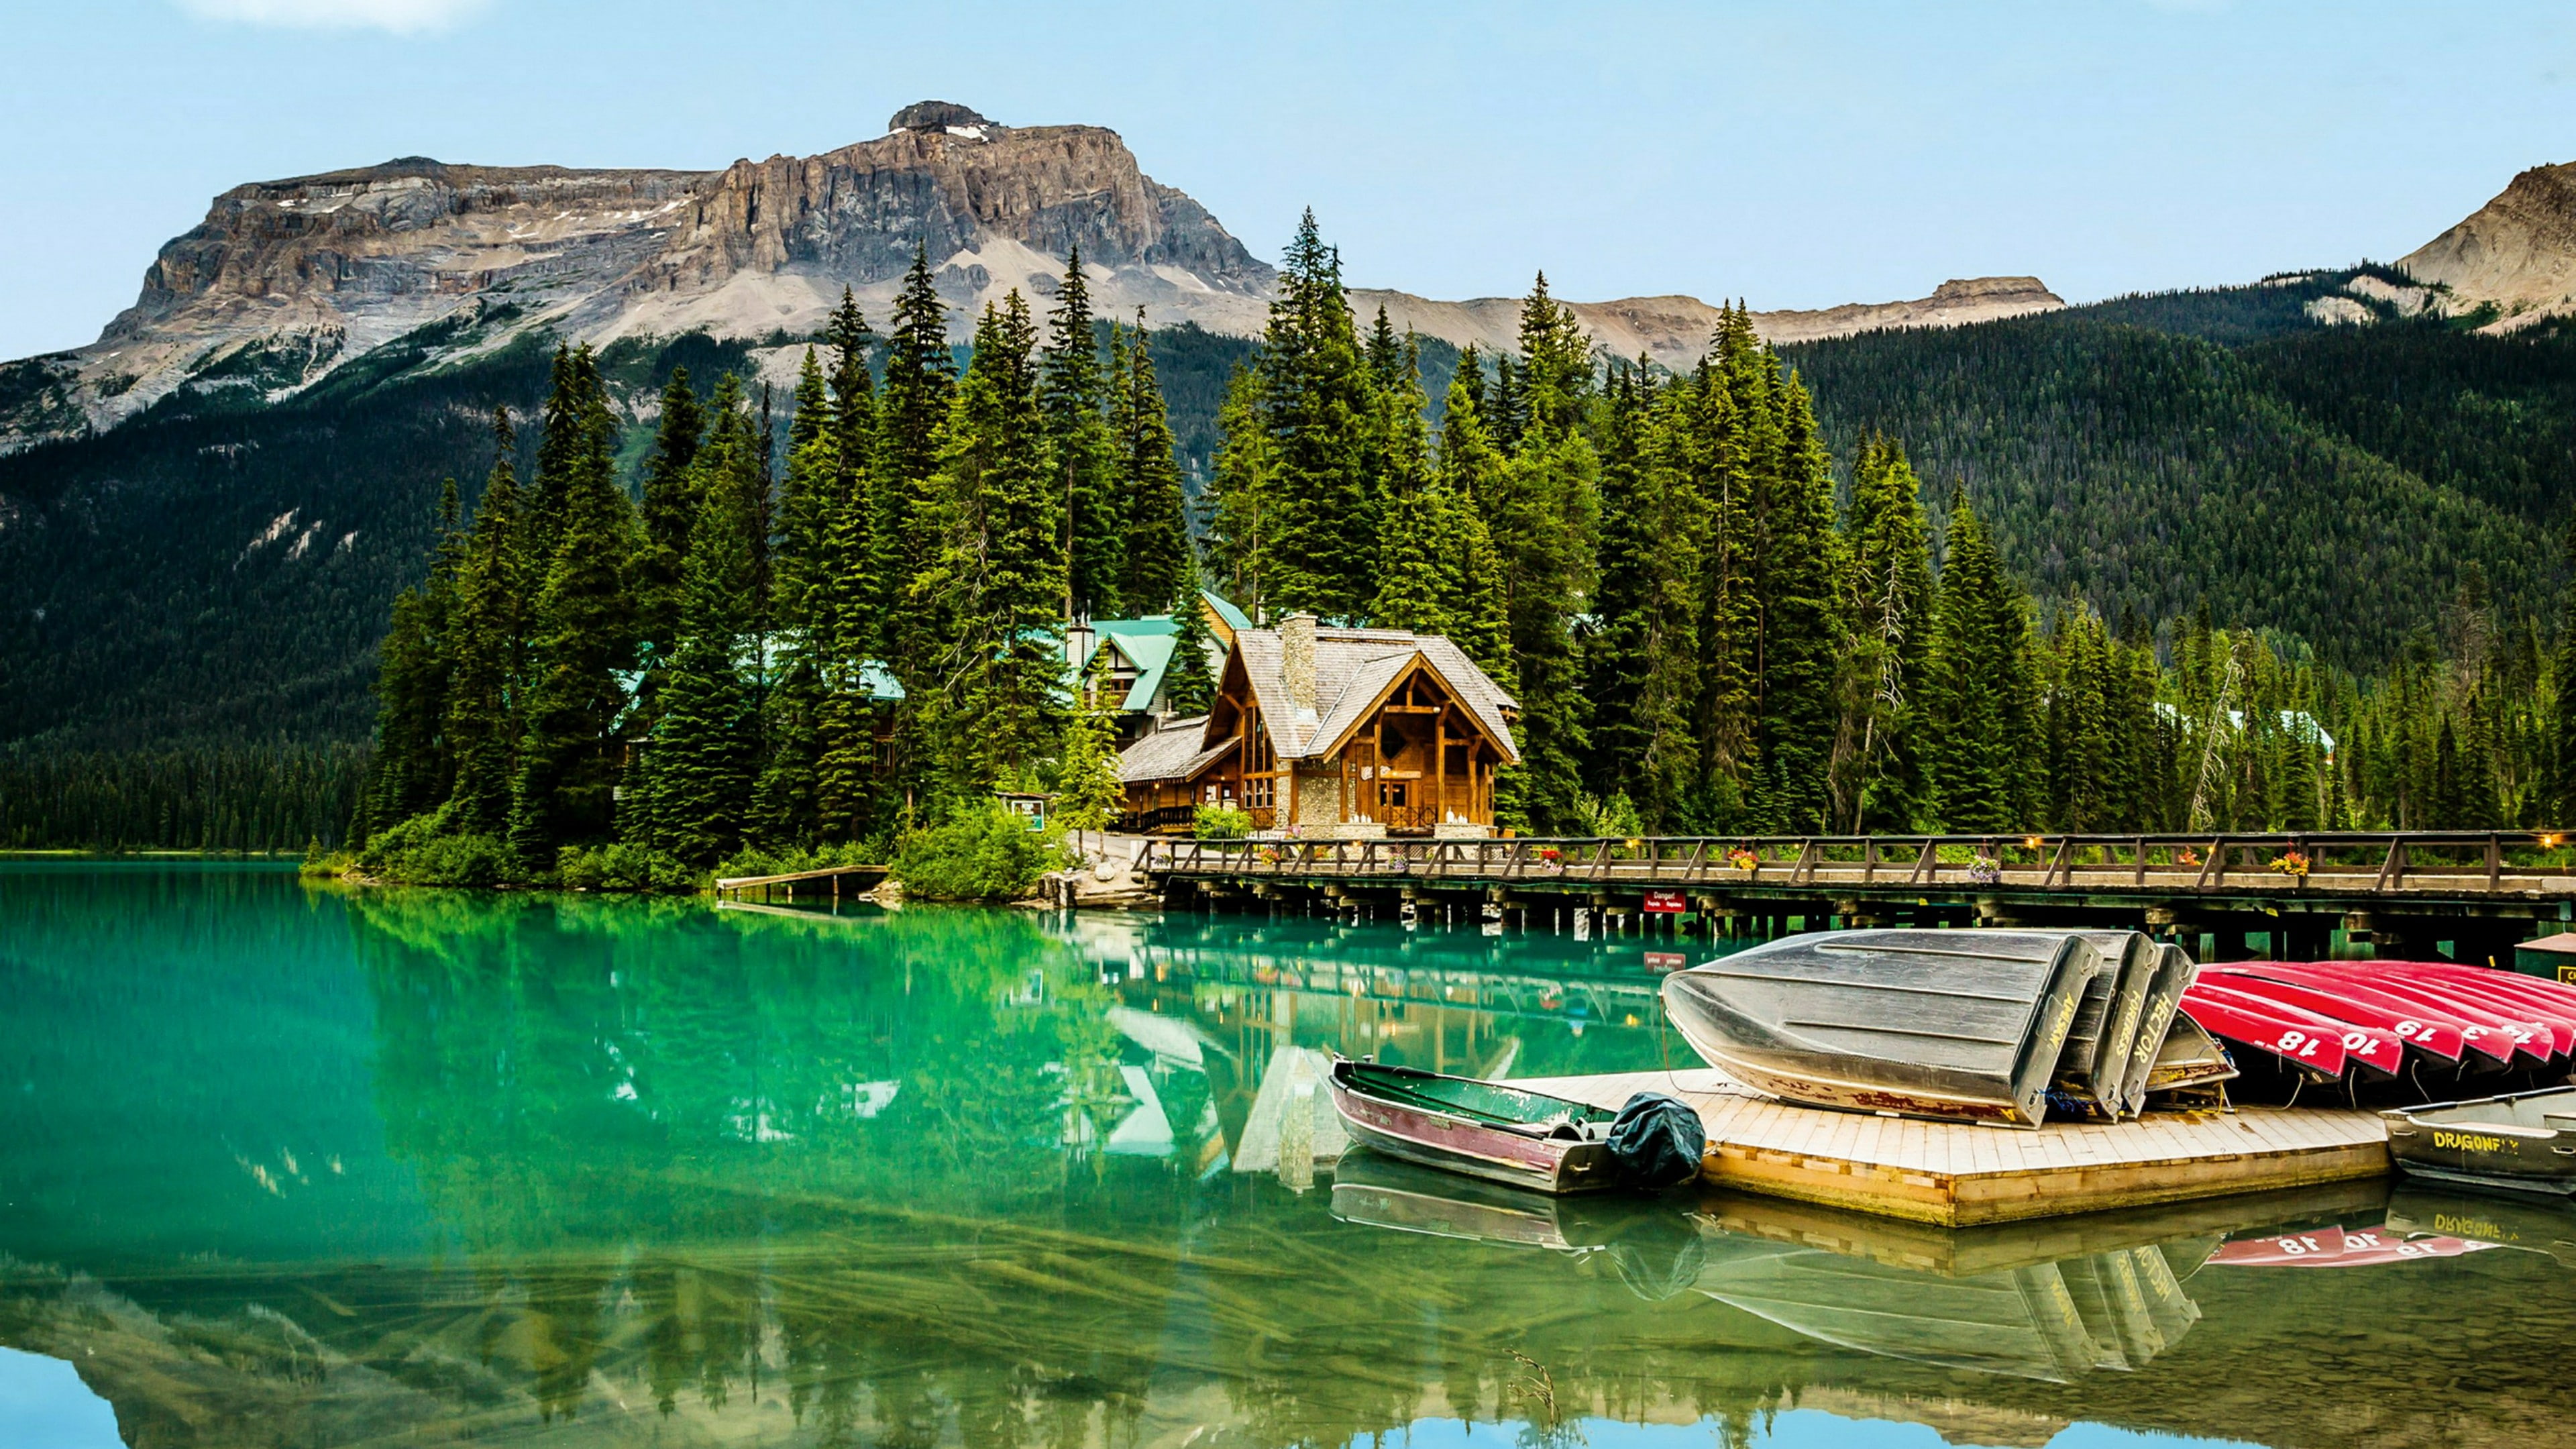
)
(943, 116)
(285, 281)
(2517, 253)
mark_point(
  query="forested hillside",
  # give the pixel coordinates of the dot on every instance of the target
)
(216, 573)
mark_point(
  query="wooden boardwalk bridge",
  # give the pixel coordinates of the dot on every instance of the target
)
(2405, 892)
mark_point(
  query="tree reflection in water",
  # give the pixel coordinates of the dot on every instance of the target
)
(688, 1176)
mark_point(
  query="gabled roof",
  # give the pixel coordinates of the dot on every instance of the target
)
(1175, 752)
(1229, 619)
(1145, 643)
(1354, 669)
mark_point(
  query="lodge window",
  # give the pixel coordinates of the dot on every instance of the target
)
(1256, 793)
(1391, 793)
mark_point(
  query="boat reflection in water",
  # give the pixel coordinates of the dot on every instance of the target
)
(2050, 1301)
(1652, 1243)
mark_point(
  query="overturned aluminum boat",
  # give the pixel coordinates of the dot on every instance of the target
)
(2100, 1047)
(1958, 1025)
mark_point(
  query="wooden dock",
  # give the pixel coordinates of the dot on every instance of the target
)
(1961, 1175)
(837, 880)
(2403, 892)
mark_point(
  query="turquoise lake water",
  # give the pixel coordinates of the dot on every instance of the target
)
(285, 1165)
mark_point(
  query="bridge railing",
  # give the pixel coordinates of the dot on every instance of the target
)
(2340, 862)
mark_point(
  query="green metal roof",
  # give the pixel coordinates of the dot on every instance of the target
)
(1145, 643)
(1234, 618)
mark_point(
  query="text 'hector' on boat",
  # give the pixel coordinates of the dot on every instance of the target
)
(1983, 1026)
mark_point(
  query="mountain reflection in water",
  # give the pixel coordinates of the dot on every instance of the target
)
(281, 1166)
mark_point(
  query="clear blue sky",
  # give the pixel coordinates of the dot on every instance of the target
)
(1797, 155)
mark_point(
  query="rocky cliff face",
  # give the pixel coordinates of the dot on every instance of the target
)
(285, 281)
(2517, 252)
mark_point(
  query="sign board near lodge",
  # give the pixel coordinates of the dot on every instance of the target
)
(1664, 903)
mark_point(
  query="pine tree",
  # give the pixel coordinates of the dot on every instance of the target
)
(702, 750)
(1719, 441)
(1980, 693)
(920, 375)
(1160, 567)
(1641, 664)
(670, 507)
(1438, 572)
(1887, 597)
(413, 766)
(1316, 403)
(1239, 494)
(559, 450)
(491, 651)
(1800, 629)
(1189, 684)
(1544, 513)
(847, 613)
(785, 809)
(1087, 788)
(1076, 397)
(582, 638)
(1000, 569)
(1470, 478)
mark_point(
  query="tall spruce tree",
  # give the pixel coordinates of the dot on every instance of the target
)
(1641, 662)
(1075, 395)
(702, 752)
(413, 765)
(582, 637)
(1544, 512)
(1189, 681)
(999, 573)
(1238, 497)
(1887, 601)
(1980, 692)
(1800, 627)
(1316, 404)
(920, 375)
(1720, 427)
(1439, 572)
(847, 613)
(670, 506)
(1160, 565)
(786, 800)
(491, 649)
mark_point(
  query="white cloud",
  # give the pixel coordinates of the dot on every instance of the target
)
(403, 17)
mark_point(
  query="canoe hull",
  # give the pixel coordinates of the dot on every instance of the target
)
(1514, 1157)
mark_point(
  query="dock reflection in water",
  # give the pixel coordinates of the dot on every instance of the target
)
(280, 1167)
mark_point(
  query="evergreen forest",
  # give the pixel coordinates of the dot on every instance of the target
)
(2185, 561)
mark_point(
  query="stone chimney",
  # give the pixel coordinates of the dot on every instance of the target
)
(1297, 661)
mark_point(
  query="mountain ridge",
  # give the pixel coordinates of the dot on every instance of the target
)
(286, 281)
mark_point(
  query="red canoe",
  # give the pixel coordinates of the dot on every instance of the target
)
(2531, 1039)
(2480, 1033)
(2380, 1050)
(2440, 1041)
(2547, 998)
(2265, 1029)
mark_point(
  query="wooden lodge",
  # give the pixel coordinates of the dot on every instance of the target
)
(1334, 734)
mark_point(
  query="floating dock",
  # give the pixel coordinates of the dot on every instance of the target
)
(1960, 1175)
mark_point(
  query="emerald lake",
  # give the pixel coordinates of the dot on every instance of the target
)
(285, 1165)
